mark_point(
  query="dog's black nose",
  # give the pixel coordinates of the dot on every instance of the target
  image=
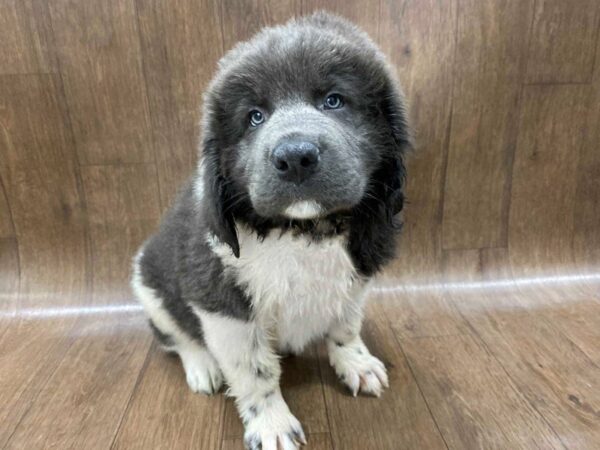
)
(295, 160)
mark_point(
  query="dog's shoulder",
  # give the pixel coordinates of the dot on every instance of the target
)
(178, 263)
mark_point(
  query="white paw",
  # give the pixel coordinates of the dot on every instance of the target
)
(271, 426)
(357, 368)
(201, 371)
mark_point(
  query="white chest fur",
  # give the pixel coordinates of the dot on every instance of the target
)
(298, 287)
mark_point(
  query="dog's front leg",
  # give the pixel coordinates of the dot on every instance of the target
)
(251, 368)
(349, 356)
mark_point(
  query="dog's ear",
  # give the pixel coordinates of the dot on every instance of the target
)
(391, 173)
(218, 196)
(373, 221)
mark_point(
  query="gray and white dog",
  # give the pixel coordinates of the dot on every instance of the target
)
(272, 243)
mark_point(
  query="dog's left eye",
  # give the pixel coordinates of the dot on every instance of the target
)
(334, 101)
(256, 117)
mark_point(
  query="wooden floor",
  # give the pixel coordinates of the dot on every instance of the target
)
(489, 320)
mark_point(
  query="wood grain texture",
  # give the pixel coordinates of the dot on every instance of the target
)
(365, 13)
(561, 32)
(30, 352)
(419, 309)
(586, 239)
(469, 276)
(552, 124)
(7, 228)
(122, 211)
(41, 180)
(490, 36)
(488, 320)
(399, 419)
(578, 322)
(550, 371)
(459, 378)
(169, 413)
(181, 44)
(98, 372)
(101, 64)
(9, 281)
(420, 38)
(241, 19)
(547, 367)
(26, 41)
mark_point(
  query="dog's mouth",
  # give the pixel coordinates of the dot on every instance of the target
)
(304, 209)
(313, 201)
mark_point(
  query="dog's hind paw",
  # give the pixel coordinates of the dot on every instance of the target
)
(202, 372)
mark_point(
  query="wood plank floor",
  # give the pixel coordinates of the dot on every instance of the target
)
(488, 320)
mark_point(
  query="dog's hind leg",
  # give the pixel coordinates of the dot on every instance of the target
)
(202, 371)
(201, 368)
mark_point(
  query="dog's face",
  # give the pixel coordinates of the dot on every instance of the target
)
(302, 152)
(298, 130)
(299, 120)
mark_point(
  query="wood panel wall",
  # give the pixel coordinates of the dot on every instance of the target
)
(99, 114)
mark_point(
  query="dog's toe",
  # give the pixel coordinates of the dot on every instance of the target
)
(358, 369)
(274, 428)
(202, 373)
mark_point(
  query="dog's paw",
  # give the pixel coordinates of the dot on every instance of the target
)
(202, 372)
(357, 368)
(272, 427)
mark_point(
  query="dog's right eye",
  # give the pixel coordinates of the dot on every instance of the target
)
(333, 101)
(256, 118)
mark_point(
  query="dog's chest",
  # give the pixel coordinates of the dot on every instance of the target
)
(299, 285)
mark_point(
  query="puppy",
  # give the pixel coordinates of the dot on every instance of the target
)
(290, 213)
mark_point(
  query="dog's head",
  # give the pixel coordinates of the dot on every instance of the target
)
(301, 122)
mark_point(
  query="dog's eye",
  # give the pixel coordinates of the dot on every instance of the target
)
(334, 101)
(256, 118)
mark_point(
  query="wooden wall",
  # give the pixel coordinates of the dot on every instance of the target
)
(99, 113)
(99, 108)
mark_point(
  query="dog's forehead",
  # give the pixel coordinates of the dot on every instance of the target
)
(279, 75)
(281, 66)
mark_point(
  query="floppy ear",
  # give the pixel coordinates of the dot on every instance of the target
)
(386, 197)
(390, 177)
(391, 173)
(218, 197)
(371, 243)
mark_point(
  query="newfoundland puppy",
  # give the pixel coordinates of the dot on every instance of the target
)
(271, 244)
